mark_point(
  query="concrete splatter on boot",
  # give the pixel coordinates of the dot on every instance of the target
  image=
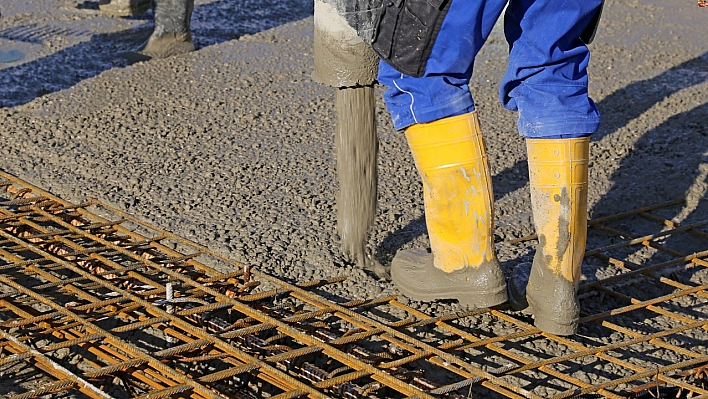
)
(451, 158)
(124, 8)
(172, 34)
(558, 172)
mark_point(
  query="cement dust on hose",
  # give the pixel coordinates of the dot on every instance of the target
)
(357, 154)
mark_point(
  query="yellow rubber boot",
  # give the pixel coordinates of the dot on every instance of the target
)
(452, 161)
(558, 174)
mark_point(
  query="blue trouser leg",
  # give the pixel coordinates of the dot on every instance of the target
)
(546, 81)
(443, 91)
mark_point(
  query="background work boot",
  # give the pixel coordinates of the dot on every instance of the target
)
(558, 173)
(124, 8)
(172, 34)
(452, 161)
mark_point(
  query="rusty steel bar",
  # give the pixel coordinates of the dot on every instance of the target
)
(396, 337)
(65, 374)
(293, 288)
(50, 216)
(658, 373)
(331, 351)
(474, 342)
(97, 266)
(643, 270)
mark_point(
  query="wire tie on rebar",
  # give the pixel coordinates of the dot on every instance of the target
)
(309, 315)
(447, 317)
(451, 345)
(333, 381)
(407, 359)
(364, 303)
(401, 323)
(220, 277)
(80, 205)
(99, 304)
(14, 323)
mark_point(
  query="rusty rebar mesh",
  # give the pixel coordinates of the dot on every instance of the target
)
(108, 306)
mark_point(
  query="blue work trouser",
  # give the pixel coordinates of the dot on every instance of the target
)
(546, 80)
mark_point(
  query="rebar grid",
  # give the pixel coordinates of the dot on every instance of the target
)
(114, 307)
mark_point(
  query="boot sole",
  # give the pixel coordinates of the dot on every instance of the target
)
(547, 324)
(519, 301)
(167, 48)
(475, 300)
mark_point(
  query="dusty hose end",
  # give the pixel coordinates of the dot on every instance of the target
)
(342, 58)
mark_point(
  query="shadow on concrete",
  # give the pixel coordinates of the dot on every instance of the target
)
(635, 178)
(664, 162)
(213, 23)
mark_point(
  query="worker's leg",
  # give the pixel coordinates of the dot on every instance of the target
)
(547, 84)
(437, 113)
(172, 34)
(451, 158)
(547, 81)
(124, 8)
(443, 90)
(558, 174)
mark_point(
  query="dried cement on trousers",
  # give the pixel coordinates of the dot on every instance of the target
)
(357, 154)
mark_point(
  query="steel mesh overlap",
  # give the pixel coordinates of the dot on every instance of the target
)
(94, 303)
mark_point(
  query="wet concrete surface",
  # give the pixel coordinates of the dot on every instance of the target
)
(232, 146)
